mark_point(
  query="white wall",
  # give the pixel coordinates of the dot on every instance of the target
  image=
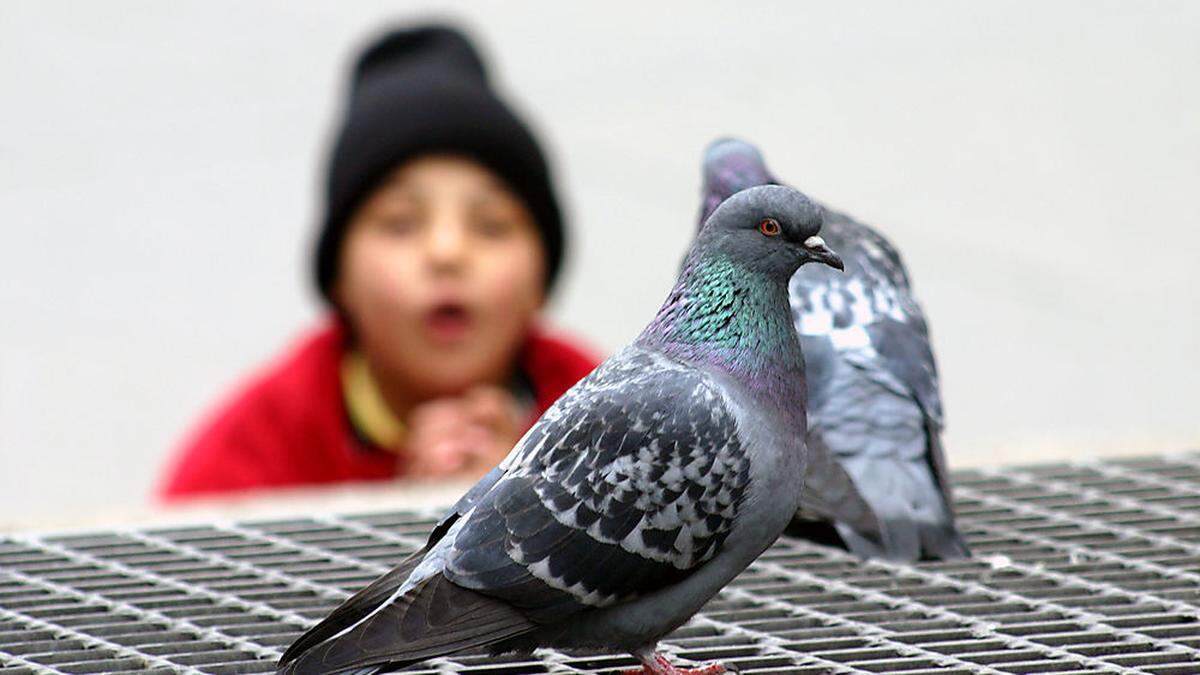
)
(1037, 163)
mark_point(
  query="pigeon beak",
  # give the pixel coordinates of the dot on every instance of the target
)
(818, 251)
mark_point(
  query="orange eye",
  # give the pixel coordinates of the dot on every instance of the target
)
(769, 227)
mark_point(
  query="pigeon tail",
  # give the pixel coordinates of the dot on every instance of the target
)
(435, 617)
(354, 610)
(907, 540)
(943, 542)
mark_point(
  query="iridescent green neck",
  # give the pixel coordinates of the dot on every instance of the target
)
(723, 315)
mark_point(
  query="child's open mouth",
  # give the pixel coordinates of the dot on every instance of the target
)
(448, 322)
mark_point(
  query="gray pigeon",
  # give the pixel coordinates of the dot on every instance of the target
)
(638, 495)
(873, 386)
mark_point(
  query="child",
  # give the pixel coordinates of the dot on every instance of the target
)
(441, 237)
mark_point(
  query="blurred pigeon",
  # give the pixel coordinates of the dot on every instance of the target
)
(873, 385)
(638, 495)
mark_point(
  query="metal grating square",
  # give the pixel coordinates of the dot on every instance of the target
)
(1079, 568)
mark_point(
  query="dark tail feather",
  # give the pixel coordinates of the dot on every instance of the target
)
(907, 540)
(816, 531)
(435, 618)
(943, 542)
(867, 548)
(355, 608)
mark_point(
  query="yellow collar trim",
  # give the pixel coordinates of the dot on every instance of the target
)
(369, 412)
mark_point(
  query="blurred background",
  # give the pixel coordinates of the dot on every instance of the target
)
(1038, 165)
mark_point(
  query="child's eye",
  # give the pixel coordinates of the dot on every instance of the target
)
(492, 228)
(398, 223)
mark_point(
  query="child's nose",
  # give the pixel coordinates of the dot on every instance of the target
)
(447, 244)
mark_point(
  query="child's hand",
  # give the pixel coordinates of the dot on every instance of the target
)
(462, 437)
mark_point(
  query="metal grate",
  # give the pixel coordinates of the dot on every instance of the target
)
(1080, 568)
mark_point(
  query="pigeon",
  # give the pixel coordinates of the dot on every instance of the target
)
(637, 496)
(874, 408)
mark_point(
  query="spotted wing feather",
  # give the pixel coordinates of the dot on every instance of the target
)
(631, 482)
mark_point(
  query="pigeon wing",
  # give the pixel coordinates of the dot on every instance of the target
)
(829, 494)
(882, 302)
(870, 320)
(906, 355)
(627, 485)
(900, 340)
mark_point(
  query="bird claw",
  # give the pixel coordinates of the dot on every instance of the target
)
(658, 664)
(706, 669)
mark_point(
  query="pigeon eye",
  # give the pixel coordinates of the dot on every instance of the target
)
(769, 227)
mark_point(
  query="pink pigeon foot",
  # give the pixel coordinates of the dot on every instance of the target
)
(654, 663)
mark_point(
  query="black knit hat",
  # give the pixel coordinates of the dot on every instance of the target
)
(425, 89)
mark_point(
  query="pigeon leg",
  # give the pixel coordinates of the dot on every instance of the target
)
(654, 663)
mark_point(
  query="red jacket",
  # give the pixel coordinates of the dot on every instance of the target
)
(288, 426)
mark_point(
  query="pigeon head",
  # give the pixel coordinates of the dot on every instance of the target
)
(729, 308)
(769, 229)
(730, 165)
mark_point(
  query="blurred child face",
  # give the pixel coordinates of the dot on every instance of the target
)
(440, 276)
